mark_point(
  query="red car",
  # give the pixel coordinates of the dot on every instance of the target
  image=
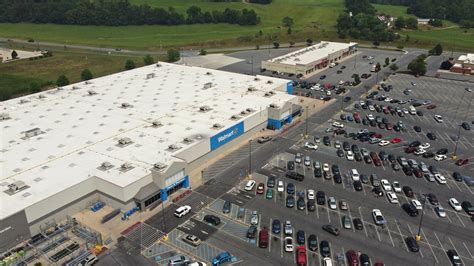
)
(301, 256)
(389, 126)
(377, 136)
(260, 188)
(431, 106)
(385, 110)
(461, 162)
(410, 149)
(352, 258)
(396, 140)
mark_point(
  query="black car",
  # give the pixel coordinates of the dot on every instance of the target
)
(367, 159)
(408, 191)
(417, 128)
(467, 207)
(415, 143)
(346, 146)
(300, 204)
(433, 199)
(419, 113)
(365, 122)
(442, 151)
(212, 219)
(392, 158)
(358, 185)
(364, 259)
(383, 156)
(295, 175)
(347, 99)
(337, 178)
(300, 237)
(407, 170)
(364, 179)
(335, 169)
(466, 126)
(454, 257)
(357, 157)
(290, 165)
(312, 243)
(340, 153)
(290, 201)
(276, 226)
(331, 229)
(395, 167)
(311, 205)
(326, 141)
(412, 244)
(252, 232)
(428, 154)
(342, 117)
(320, 197)
(227, 206)
(457, 176)
(271, 181)
(318, 172)
(410, 209)
(358, 224)
(378, 191)
(355, 148)
(325, 249)
(431, 136)
(322, 77)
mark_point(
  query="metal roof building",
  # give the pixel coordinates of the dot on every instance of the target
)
(128, 139)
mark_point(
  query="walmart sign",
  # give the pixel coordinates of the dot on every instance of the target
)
(227, 135)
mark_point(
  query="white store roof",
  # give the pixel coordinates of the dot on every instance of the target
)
(80, 126)
(311, 53)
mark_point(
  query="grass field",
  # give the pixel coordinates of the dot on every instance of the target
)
(16, 77)
(311, 17)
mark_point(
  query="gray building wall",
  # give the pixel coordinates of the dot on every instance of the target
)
(195, 151)
(160, 177)
(13, 230)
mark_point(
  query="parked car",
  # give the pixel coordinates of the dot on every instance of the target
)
(192, 240)
(226, 207)
(454, 257)
(410, 209)
(331, 229)
(378, 217)
(312, 243)
(412, 244)
(325, 249)
(212, 219)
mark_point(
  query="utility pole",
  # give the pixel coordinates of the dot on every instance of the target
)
(250, 160)
(418, 236)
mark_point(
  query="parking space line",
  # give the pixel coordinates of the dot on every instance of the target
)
(431, 247)
(270, 238)
(329, 217)
(401, 234)
(363, 222)
(468, 251)
(390, 235)
(411, 232)
(377, 231)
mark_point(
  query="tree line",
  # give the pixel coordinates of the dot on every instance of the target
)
(114, 13)
(459, 11)
(363, 24)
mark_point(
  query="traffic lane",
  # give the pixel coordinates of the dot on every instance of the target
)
(312, 225)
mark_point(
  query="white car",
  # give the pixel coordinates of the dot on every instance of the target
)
(326, 167)
(337, 144)
(396, 187)
(440, 157)
(288, 229)
(280, 186)
(289, 244)
(371, 108)
(438, 118)
(424, 146)
(350, 156)
(378, 217)
(386, 185)
(440, 211)
(307, 161)
(298, 157)
(332, 203)
(250, 184)
(392, 197)
(311, 145)
(370, 117)
(384, 143)
(182, 211)
(254, 218)
(337, 124)
(388, 99)
(416, 204)
(328, 93)
(419, 151)
(310, 194)
(327, 262)
(440, 178)
(455, 204)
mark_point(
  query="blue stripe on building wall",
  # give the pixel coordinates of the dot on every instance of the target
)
(227, 135)
(277, 124)
(164, 191)
(289, 87)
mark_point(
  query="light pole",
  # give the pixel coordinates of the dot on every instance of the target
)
(250, 160)
(418, 236)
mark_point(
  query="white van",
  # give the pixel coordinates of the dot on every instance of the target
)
(412, 110)
(182, 211)
(89, 260)
(250, 184)
(354, 175)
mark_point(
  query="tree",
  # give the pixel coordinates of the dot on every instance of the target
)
(446, 65)
(129, 64)
(411, 23)
(276, 45)
(173, 55)
(387, 61)
(394, 67)
(292, 43)
(309, 42)
(436, 22)
(378, 67)
(400, 23)
(287, 22)
(14, 54)
(356, 78)
(202, 52)
(35, 87)
(417, 66)
(288, 31)
(62, 81)
(437, 50)
(148, 60)
(86, 74)
(407, 38)
(400, 47)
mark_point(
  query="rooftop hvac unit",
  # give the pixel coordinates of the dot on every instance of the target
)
(252, 89)
(91, 92)
(187, 140)
(106, 165)
(273, 105)
(41, 96)
(159, 166)
(76, 87)
(4, 116)
(173, 147)
(158, 65)
(217, 125)
(269, 82)
(207, 85)
(204, 108)
(125, 141)
(208, 73)
(256, 79)
(22, 101)
(235, 117)
(87, 82)
(17, 185)
(126, 166)
(244, 112)
(156, 123)
(150, 75)
(125, 105)
(33, 132)
(267, 94)
(249, 110)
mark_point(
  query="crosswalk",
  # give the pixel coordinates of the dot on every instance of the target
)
(144, 235)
